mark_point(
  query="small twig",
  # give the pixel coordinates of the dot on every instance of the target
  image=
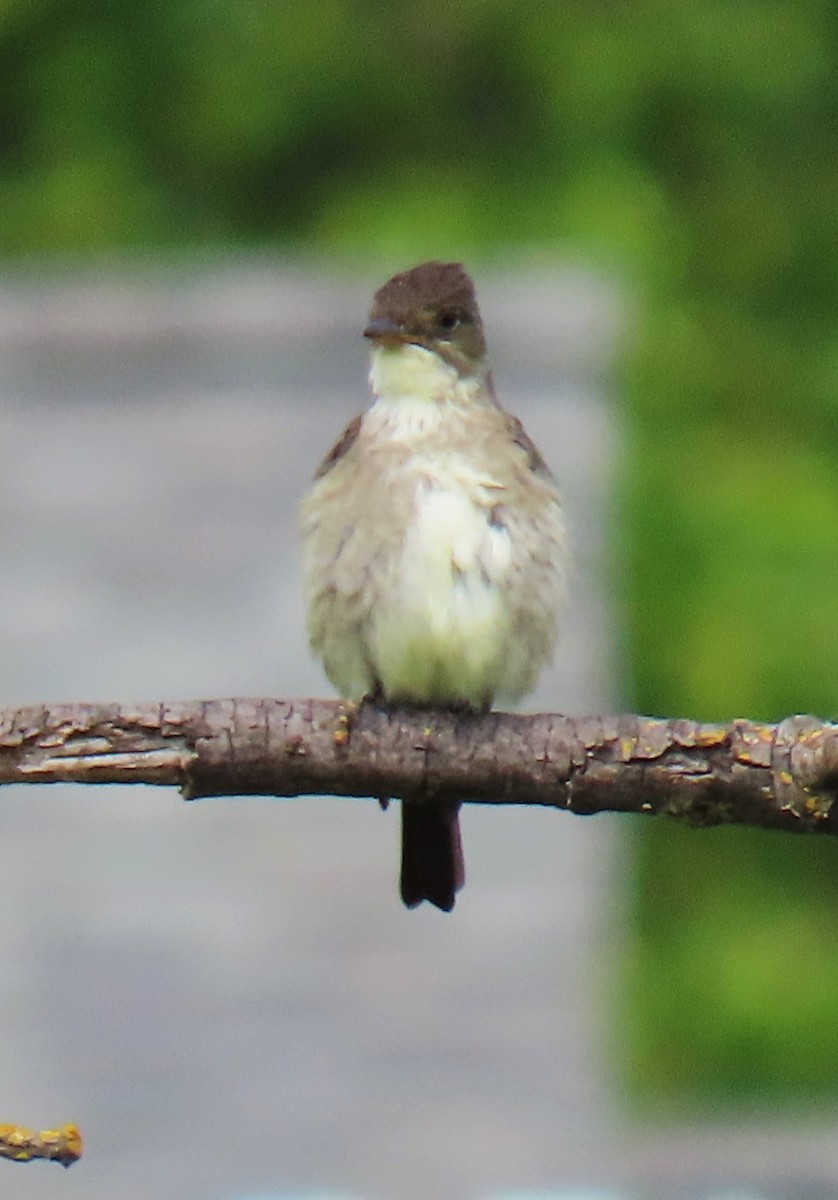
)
(58, 1145)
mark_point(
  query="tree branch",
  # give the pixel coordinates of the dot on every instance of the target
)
(24, 1145)
(781, 776)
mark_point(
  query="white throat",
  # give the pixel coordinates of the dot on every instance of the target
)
(412, 372)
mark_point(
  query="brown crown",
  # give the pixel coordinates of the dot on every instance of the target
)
(430, 287)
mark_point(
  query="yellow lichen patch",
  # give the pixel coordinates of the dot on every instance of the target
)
(627, 747)
(23, 1145)
(340, 735)
(711, 735)
(753, 745)
(818, 806)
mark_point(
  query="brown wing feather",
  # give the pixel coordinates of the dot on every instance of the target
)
(521, 438)
(342, 446)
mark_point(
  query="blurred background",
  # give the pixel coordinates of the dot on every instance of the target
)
(196, 203)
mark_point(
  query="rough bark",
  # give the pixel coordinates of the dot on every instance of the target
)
(782, 776)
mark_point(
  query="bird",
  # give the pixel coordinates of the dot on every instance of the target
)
(434, 545)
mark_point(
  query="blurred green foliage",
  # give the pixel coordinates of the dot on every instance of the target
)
(689, 145)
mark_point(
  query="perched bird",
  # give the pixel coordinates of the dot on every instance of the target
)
(434, 547)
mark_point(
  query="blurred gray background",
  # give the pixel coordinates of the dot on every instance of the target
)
(228, 996)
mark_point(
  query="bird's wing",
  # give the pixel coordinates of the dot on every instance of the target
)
(341, 447)
(521, 438)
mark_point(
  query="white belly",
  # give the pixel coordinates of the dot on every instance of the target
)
(441, 636)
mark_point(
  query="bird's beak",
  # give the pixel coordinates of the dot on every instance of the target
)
(385, 329)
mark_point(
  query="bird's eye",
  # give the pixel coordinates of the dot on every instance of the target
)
(449, 321)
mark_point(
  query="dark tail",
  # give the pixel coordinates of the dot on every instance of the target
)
(432, 854)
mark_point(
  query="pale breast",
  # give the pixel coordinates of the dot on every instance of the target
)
(434, 558)
(434, 636)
